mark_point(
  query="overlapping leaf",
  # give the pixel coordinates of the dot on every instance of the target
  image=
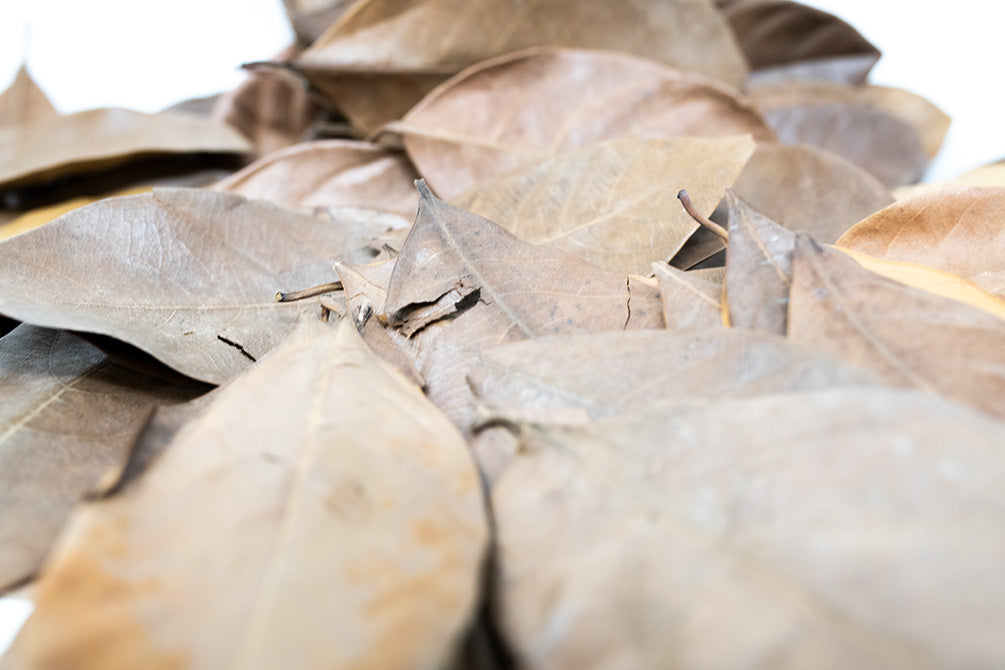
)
(463, 133)
(331, 173)
(961, 231)
(187, 275)
(318, 486)
(383, 56)
(69, 415)
(852, 528)
(24, 102)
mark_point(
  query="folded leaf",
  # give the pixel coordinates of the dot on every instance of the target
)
(339, 524)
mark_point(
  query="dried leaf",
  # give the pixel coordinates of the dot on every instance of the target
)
(463, 284)
(187, 275)
(815, 530)
(788, 39)
(907, 336)
(930, 122)
(69, 415)
(689, 301)
(24, 102)
(545, 381)
(322, 485)
(101, 138)
(809, 190)
(472, 128)
(383, 56)
(758, 269)
(43, 215)
(613, 203)
(850, 123)
(992, 174)
(961, 231)
(702, 246)
(331, 173)
(271, 109)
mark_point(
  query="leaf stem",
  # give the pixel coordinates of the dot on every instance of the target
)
(311, 292)
(685, 200)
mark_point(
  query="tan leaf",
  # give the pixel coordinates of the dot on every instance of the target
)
(472, 128)
(187, 275)
(69, 415)
(383, 56)
(463, 284)
(23, 102)
(961, 231)
(842, 528)
(809, 190)
(907, 336)
(792, 40)
(689, 301)
(339, 524)
(992, 174)
(699, 248)
(331, 173)
(43, 215)
(758, 269)
(101, 138)
(271, 109)
(613, 203)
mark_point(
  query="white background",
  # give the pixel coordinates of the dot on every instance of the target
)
(148, 55)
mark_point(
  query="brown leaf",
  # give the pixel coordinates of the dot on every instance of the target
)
(69, 415)
(272, 109)
(930, 122)
(843, 528)
(689, 301)
(877, 141)
(102, 138)
(383, 56)
(961, 231)
(472, 128)
(187, 275)
(907, 336)
(350, 479)
(24, 102)
(702, 246)
(463, 284)
(546, 381)
(331, 173)
(613, 203)
(758, 269)
(809, 190)
(788, 39)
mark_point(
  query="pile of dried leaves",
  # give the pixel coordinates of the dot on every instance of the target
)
(536, 414)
